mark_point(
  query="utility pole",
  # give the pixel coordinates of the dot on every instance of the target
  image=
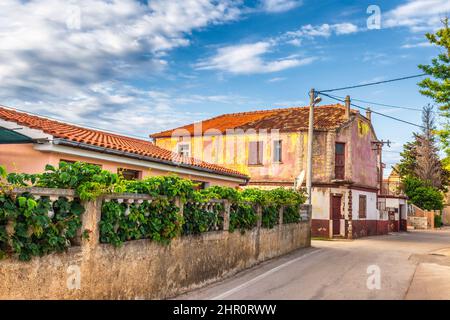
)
(310, 146)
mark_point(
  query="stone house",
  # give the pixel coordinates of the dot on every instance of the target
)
(271, 147)
(29, 142)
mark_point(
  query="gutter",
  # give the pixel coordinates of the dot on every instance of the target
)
(69, 143)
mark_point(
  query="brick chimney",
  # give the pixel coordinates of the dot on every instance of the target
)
(369, 114)
(347, 107)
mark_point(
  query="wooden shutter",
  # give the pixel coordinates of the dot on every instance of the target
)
(339, 164)
(362, 206)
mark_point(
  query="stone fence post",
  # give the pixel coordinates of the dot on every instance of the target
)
(226, 215)
(90, 222)
(179, 203)
(259, 215)
(280, 215)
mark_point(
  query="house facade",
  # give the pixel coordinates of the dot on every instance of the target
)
(29, 142)
(271, 147)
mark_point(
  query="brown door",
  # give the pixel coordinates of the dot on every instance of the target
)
(336, 214)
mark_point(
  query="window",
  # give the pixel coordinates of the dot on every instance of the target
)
(129, 174)
(277, 151)
(339, 161)
(184, 149)
(201, 185)
(255, 150)
(362, 206)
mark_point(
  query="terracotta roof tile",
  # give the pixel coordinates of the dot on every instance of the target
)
(108, 140)
(326, 117)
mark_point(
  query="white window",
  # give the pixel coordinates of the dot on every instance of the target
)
(184, 149)
(277, 151)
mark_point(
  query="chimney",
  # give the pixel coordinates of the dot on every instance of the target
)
(347, 107)
(369, 114)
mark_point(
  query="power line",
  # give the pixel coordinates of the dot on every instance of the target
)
(382, 104)
(379, 113)
(373, 83)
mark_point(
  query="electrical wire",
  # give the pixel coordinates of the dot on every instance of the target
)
(376, 112)
(382, 104)
(373, 83)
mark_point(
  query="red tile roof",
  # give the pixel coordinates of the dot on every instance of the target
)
(326, 117)
(110, 141)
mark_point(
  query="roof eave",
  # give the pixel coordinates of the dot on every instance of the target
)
(91, 147)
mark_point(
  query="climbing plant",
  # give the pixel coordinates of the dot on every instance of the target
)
(35, 227)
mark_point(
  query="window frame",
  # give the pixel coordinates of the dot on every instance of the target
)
(277, 151)
(259, 153)
(184, 144)
(137, 173)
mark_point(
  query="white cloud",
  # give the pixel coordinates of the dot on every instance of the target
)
(280, 5)
(324, 30)
(248, 59)
(276, 79)
(418, 15)
(58, 57)
(416, 45)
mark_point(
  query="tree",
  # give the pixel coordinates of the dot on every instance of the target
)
(423, 195)
(438, 88)
(420, 157)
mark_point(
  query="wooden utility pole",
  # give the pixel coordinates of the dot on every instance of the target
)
(310, 145)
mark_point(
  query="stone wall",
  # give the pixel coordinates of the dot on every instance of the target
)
(144, 269)
(418, 222)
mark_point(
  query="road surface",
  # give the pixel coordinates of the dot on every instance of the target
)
(413, 265)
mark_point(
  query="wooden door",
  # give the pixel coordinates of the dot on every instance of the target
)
(336, 214)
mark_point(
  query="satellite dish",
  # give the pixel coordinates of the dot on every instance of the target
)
(299, 180)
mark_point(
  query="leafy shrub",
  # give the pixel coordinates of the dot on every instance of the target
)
(270, 216)
(159, 220)
(291, 214)
(39, 227)
(88, 180)
(198, 220)
(423, 195)
(242, 217)
(437, 221)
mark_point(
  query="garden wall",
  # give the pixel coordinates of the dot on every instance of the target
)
(144, 269)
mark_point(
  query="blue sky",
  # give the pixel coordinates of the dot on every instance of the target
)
(138, 67)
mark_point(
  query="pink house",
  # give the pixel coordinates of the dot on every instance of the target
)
(29, 142)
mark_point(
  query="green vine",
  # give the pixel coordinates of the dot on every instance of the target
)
(37, 227)
(291, 214)
(159, 220)
(27, 229)
(199, 220)
(270, 216)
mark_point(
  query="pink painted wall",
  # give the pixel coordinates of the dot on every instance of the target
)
(22, 158)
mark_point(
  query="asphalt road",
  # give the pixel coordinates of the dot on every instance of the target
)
(413, 265)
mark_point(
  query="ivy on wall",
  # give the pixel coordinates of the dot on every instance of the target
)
(35, 227)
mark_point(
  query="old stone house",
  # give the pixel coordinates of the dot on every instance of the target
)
(271, 147)
(29, 142)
